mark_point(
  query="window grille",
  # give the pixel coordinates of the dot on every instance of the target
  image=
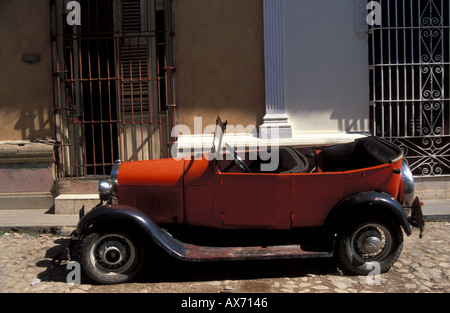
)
(114, 84)
(409, 72)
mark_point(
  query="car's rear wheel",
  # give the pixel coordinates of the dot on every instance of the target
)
(369, 243)
(111, 257)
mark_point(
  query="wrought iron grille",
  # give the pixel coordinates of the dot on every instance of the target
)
(114, 84)
(410, 92)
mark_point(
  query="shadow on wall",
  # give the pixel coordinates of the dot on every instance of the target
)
(348, 122)
(36, 123)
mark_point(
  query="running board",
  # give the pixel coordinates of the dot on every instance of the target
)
(199, 253)
(189, 252)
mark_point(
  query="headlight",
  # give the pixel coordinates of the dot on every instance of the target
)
(105, 189)
(108, 187)
(408, 185)
(115, 174)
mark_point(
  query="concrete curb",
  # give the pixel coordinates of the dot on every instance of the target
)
(63, 231)
(437, 218)
(37, 222)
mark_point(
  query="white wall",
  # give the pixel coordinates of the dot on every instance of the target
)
(326, 67)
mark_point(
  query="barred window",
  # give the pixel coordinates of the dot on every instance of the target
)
(409, 72)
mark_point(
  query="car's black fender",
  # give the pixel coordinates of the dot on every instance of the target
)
(133, 218)
(372, 202)
(137, 223)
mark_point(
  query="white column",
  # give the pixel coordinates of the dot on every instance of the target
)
(274, 71)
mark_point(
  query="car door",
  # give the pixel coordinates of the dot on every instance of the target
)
(314, 196)
(255, 200)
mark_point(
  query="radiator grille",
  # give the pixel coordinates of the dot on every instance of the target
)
(158, 204)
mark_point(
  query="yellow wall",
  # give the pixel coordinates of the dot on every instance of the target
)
(26, 96)
(220, 61)
(220, 65)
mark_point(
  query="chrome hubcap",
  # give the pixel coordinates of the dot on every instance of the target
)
(370, 241)
(371, 245)
(112, 253)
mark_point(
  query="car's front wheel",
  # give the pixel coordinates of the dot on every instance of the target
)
(111, 257)
(368, 243)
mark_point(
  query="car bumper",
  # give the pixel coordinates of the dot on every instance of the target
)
(416, 218)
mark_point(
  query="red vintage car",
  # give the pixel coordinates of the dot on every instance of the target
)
(350, 200)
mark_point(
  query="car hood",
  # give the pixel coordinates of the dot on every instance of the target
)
(164, 172)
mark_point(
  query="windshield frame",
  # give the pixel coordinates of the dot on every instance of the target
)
(218, 137)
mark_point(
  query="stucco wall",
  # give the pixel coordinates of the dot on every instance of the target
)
(26, 98)
(326, 67)
(220, 61)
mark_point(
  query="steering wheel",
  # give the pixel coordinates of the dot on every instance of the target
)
(238, 160)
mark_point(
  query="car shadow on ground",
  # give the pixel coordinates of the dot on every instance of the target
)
(55, 262)
(167, 269)
(160, 267)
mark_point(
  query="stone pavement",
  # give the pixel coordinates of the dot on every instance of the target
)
(423, 267)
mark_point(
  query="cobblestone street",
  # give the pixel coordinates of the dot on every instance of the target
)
(424, 266)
